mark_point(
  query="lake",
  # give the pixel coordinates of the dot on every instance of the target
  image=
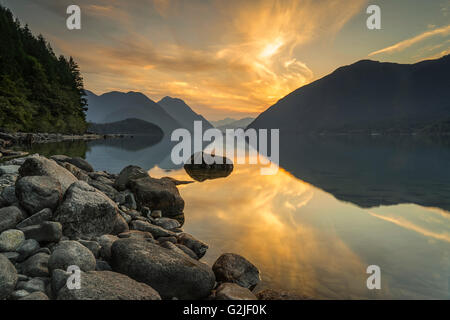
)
(337, 205)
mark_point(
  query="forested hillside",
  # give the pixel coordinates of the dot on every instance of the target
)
(39, 92)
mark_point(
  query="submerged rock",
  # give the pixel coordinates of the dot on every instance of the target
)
(234, 268)
(202, 166)
(86, 212)
(170, 273)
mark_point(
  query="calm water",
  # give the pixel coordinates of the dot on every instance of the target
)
(336, 206)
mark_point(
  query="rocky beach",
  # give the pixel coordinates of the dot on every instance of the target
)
(122, 233)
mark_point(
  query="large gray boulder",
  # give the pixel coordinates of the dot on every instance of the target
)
(41, 166)
(107, 285)
(8, 277)
(127, 174)
(234, 268)
(169, 273)
(86, 212)
(71, 253)
(9, 218)
(38, 192)
(158, 194)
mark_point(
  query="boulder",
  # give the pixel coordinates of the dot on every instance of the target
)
(77, 172)
(9, 195)
(167, 223)
(36, 193)
(12, 256)
(120, 226)
(232, 291)
(86, 212)
(32, 285)
(130, 202)
(27, 249)
(148, 227)
(158, 194)
(234, 268)
(127, 174)
(169, 273)
(47, 231)
(188, 251)
(107, 285)
(106, 189)
(8, 277)
(36, 265)
(106, 241)
(59, 279)
(102, 266)
(9, 218)
(18, 294)
(41, 166)
(93, 246)
(71, 253)
(10, 240)
(37, 218)
(81, 164)
(195, 245)
(136, 234)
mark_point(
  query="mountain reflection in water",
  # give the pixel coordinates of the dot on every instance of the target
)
(336, 206)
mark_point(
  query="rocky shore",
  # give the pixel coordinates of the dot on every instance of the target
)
(122, 232)
(7, 140)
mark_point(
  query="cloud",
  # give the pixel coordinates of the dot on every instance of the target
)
(409, 42)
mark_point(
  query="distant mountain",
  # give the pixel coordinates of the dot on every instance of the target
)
(117, 106)
(128, 126)
(223, 122)
(235, 124)
(181, 112)
(367, 96)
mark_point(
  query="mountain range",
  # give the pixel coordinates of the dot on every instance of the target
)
(230, 123)
(367, 97)
(117, 106)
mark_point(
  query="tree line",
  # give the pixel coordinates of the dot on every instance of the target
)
(39, 92)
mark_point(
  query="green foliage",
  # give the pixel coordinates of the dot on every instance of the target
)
(39, 92)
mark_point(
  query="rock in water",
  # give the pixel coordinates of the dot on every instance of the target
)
(158, 194)
(195, 245)
(71, 253)
(127, 174)
(107, 285)
(41, 166)
(38, 192)
(169, 273)
(9, 218)
(232, 291)
(80, 163)
(86, 212)
(10, 240)
(8, 277)
(203, 166)
(234, 268)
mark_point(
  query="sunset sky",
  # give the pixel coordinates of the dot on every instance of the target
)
(232, 57)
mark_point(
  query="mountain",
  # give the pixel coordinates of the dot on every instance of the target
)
(367, 96)
(223, 122)
(235, 124)
(117, 106)
(128, 126)
(181, 112)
